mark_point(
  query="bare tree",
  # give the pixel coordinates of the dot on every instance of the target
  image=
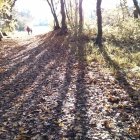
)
(136, 6)
(136, 14)
(80, 16)
(56, 22)
(99, 23)
(76, 19)
(71, 13)
(63, 21)
(67, 12)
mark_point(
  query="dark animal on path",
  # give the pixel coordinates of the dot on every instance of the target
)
(29, 30)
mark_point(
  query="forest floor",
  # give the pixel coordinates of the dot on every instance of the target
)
(48, 91)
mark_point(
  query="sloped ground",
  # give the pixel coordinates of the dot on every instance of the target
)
(49, 92)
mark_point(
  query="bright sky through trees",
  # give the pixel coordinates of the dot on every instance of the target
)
(40, 9)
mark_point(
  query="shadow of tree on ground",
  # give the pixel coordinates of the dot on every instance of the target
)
(46, 92)
(80, 125)
(133, 94)
(120, 74)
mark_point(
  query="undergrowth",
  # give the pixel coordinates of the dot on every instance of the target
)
(126, 60)
(122, 47)
(125, 32)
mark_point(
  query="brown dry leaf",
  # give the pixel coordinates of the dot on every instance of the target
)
(113, 99)
(134, 130)
(107, 107)
(2, 70)
(109, 124)
(2, 129)
(21, 130)
(22, 137)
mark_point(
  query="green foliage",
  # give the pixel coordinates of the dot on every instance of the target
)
(127, 31)
(9, 26)
(5, 9)
(6, 15)
(93, 54)
(1, 4)
(128, 60)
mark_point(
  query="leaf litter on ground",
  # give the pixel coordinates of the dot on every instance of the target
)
(46, 92)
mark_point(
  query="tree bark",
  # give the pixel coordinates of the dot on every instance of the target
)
(80, 16)
(136, 6)
(99, 23)
(136, 14)
(56, 22)
(67, 12)
(63, 21)
(1, 36)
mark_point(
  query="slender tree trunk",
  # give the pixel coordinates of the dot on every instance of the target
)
(63, 14)
(136, 14)
(56, 22)
(80, 16)
(56, 26)
(67, 13)
(71, 13)
(136, 6)
(1, 36)
(99, 23)
(76, 19)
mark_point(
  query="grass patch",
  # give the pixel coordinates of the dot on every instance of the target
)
(125, 59)
(93, 54)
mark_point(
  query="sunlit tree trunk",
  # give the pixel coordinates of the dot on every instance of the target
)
(136, 6)
(67, 11)
(1, 36)
(80, 16)
(76, 18)
(56, 22)
(63, 21)
(136, 14)
(56, 25)
(71, 14)
(99, 23)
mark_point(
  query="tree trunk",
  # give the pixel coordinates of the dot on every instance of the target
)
(71, 14)
(99, 23)
(80, 16)
(63, 14)
(1, 36)
(136, 6)
(136, 14)
(67, 11)
(76, 19)
(56, 23)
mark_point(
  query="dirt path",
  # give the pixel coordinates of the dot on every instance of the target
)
(49, 92)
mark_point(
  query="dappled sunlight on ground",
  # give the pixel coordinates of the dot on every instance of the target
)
(49, 91)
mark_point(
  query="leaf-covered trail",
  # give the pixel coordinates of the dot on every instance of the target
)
(49, 92)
